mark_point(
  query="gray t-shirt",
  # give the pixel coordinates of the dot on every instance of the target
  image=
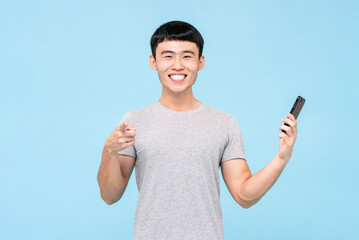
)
(178, 154)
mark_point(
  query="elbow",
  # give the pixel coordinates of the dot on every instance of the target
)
(108, 201)
(110, 196)
(246, 202)
(246, 205)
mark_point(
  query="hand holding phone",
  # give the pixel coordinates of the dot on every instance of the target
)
(297, 107)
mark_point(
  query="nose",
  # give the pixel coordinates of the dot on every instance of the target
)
(177, 63)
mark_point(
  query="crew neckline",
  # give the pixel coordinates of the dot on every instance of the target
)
(179, 112)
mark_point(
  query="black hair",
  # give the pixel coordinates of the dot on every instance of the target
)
(176, 30)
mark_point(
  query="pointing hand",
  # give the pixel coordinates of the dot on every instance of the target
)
(122, 137)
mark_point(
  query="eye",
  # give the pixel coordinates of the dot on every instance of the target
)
(187, 56)
(168, 56)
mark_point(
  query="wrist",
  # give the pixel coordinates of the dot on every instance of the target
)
(109, 150)
(283, 160)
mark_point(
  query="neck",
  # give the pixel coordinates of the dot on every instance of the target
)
(179, 102)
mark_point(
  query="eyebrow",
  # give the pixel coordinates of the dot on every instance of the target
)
(172, 52)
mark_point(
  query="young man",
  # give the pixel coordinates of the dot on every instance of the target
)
(177, 144)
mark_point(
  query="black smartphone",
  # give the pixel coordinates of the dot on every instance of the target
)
(297, 106)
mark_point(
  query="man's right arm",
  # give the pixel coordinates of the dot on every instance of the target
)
(115, 170)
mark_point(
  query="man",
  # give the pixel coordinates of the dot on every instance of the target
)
(177, 145)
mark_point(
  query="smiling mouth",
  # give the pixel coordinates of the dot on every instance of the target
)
(177, 77)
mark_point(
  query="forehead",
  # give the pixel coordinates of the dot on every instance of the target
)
(176, 46)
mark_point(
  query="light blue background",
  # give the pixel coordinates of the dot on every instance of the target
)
(70, 70)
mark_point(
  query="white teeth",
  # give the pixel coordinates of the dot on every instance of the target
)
(177, 77)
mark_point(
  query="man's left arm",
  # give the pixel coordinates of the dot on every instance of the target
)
(248, 189)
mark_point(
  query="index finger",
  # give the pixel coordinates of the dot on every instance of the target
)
(291, 117)
(123, 126)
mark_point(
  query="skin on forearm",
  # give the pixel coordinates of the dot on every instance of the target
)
(109, 177)
(254, 188)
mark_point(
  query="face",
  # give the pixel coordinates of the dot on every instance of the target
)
(177, 63)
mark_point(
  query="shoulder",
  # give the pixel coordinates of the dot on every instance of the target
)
(138, 114)
(222, 118)
(218, 114)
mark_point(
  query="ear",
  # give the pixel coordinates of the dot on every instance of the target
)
(201, 63)
(153, 62)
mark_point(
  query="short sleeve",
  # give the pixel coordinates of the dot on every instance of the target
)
(130, 151)
(234, 147)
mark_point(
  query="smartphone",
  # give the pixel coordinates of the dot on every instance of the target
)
(297, 106)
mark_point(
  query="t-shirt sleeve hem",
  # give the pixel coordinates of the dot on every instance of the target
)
(234, 157)
(127, 154)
